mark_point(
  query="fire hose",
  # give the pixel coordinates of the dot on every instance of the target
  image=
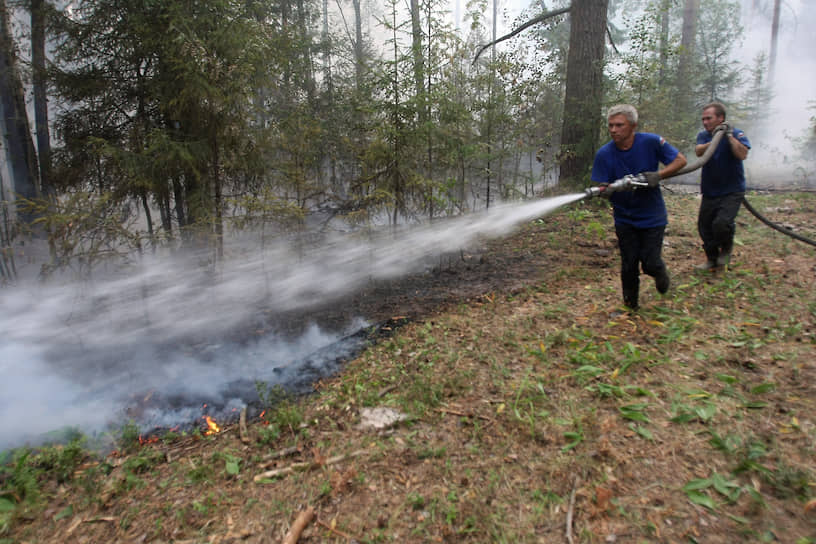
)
(638, 181)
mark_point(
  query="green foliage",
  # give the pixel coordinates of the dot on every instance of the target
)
(282, 410)
(271, 395)
(232, 463)
(718, 31)
(729, 489)
(128, 437)
(85, 230)
(21, 476)
(26, 472)
(634, 412)
(60, 461)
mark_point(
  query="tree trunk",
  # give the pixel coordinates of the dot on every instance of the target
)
(416, 52)
(40, 86)
(584, 90)
(490, 84)
(427, 110)
(218, 203)
(774, 39)
(359, 58)
(20, 152)
(308, 77)
(691, 9)
(148, 217)
(329, 103)
(665, 7)
(179, 198)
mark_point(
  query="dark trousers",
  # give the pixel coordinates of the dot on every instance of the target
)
(638, 248)
(716, 223)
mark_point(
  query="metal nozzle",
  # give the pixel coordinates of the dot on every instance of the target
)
(626, 183)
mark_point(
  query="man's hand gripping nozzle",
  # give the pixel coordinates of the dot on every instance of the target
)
(626, 183)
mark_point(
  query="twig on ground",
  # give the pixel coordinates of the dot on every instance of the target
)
(461, 414)
(301, 521)
(281, 471)
(385, 390)
(306, 465)
(77, 522)
(338, 532)
(571, 511)
(269, 460)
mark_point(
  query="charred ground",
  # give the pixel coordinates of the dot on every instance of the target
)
(530, 398)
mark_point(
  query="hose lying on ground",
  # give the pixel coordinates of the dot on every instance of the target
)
(774, 226)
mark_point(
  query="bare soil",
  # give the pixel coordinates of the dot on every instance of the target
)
(536, 409)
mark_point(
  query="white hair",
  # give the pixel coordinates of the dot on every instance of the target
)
(626, 110)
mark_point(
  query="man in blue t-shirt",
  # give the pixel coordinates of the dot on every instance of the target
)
(722, 186)
(640, 214)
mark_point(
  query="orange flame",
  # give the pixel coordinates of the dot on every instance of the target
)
(212, 426)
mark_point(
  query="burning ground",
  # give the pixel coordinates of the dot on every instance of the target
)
(534, 411)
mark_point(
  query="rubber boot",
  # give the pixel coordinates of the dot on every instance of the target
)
(630, 300)
(662, 281)
(711, 260)
(724, 257)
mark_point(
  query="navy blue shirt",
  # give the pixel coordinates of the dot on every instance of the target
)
(643, 207)
(723, 174)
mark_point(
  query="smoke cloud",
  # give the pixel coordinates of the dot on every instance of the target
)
(87, 355)
(775, 157)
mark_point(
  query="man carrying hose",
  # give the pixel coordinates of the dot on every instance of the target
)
(722, 186)
(640, 214)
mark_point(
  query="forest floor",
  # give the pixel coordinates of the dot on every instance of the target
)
(528, 407)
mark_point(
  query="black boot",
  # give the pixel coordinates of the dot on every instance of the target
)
(662, 281)
(711, 260)
(725, 255)
(630, 300)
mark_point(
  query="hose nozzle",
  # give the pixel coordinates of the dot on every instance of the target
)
(626, 183)
(593, 191)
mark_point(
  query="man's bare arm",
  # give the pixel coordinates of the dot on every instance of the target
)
(675, 165)
(737, 148)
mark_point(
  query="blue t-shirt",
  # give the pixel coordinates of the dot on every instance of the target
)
(723, 174)
(643, 207)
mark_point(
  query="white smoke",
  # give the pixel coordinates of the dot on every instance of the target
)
(775, 157)
(77, 354)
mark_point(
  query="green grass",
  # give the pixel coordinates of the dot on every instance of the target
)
(698, 407)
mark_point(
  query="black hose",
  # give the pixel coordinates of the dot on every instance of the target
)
(774, 226)
(715, 141)
(712, 147)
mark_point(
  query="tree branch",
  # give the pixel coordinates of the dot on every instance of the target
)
(525, 26)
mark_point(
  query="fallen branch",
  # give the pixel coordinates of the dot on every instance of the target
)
(269, 474)
(336, 531)
(570, 511)
(242, 427)
(272, 458)
(461, 414)
(77, 522)
(385, 390)
(281, 471)
(301, 521)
